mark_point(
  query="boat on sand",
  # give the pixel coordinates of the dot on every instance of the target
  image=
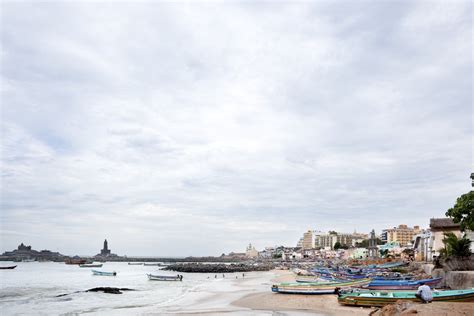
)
(381, 298)
(317, 288)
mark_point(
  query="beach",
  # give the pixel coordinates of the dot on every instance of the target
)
(252, 296)
(313, 304)
(57, 289)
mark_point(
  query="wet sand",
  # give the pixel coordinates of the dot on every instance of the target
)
(252, 296)
(316, 304)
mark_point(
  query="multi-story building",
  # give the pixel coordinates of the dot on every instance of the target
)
(328, 240)
(308, 240)
(402, 234)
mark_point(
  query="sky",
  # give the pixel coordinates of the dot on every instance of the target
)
(195, 128)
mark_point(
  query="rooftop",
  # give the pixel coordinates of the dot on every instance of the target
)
(443, 223)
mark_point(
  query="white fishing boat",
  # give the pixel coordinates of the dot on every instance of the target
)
(155, 277)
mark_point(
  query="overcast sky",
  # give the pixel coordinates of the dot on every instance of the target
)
(194, 129)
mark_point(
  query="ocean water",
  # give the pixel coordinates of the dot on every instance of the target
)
(32, 289)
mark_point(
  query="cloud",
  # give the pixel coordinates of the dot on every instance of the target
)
(193, 129)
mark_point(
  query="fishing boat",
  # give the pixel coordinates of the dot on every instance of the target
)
(316, 288)
(316, 280)
(75, 260)
(155, 277)
(91, 265)
(104, 273)
(400, 284)
(8, 267)
(135, 263)
(381, 298)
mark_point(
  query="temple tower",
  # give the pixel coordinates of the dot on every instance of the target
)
(373, 249)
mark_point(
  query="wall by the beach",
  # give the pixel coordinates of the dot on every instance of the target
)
(455, 279)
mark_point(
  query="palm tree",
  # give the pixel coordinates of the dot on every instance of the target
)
(454, 246)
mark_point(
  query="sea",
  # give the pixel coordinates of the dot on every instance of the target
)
(37, 288)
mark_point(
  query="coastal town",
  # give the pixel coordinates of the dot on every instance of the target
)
(401, 257)
(238, 158)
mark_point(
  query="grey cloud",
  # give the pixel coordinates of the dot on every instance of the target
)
(197, 128)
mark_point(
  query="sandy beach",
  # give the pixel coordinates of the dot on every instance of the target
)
(252, 296)
(315, 304)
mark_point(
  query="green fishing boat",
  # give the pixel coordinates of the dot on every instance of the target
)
(381, 298)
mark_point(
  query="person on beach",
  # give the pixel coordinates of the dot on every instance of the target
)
(243, 275)
(424, 293)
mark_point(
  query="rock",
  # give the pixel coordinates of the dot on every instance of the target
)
(108, 290)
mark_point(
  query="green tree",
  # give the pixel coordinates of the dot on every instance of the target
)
(454, 246)
(337, 245)
(277, 255)
(365, 243)
(463, 211)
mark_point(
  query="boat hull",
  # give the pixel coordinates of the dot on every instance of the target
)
(379, 299)
(316, 288)
(8, 268)
(400, 285)
(103, 273)
(98, 265)
(304, 291)
(153, 277)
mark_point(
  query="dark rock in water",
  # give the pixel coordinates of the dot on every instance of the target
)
(109, 290)
(217, 268)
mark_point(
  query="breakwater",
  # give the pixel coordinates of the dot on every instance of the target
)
(217, 268)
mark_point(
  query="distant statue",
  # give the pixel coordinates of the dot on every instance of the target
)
(105, 251)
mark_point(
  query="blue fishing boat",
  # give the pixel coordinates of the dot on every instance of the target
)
(401, 284)
(104, 273)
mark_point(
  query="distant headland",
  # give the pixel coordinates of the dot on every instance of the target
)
(26, 253)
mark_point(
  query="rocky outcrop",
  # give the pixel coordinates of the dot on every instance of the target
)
(217, 268)
(108, 290)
